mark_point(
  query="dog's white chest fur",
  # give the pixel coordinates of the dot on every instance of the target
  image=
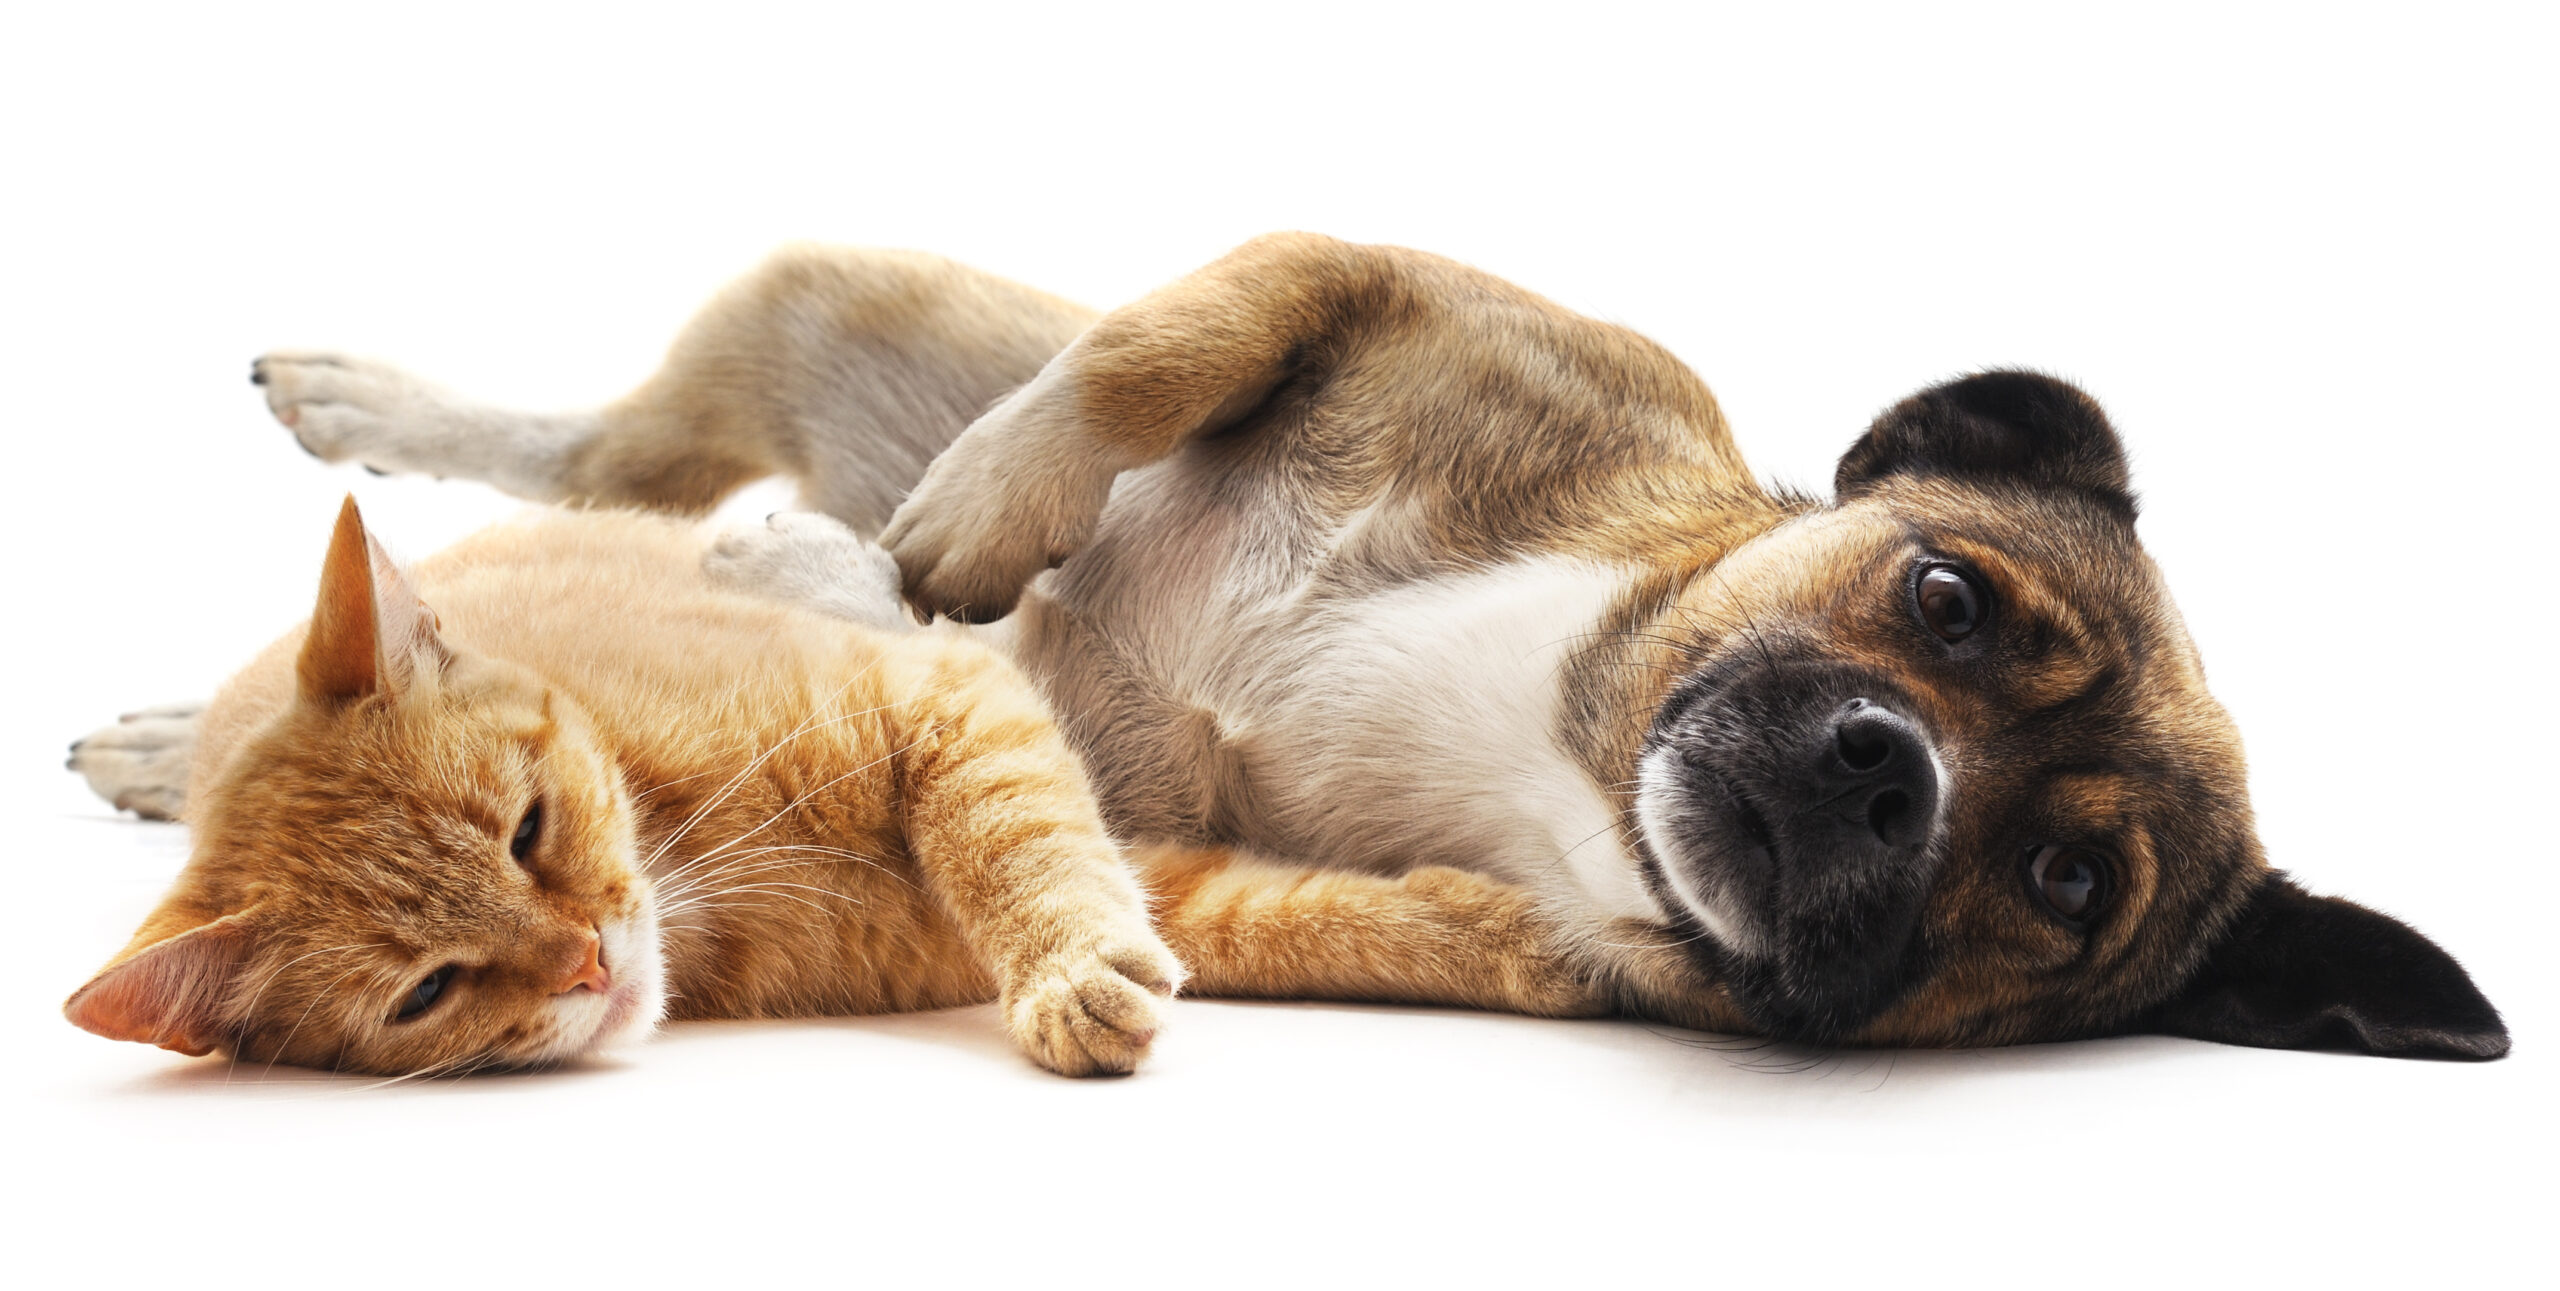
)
(1419, 725)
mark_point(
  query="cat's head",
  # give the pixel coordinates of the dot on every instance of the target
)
(425, 863)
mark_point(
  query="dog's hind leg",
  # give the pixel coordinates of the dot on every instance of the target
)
(846, 370)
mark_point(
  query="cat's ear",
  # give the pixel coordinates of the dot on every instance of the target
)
(2299, 971)
(369, 633)
(174, 992)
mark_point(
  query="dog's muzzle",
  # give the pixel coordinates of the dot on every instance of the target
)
(1795, 814)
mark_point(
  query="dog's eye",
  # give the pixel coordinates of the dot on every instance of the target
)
(423, 996)
(528, 833)
(1949, 602)
(2070, 881)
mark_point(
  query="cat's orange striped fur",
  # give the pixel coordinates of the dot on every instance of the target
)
(601, 786)
(563, 784)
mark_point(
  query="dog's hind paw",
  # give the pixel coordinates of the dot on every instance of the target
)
(341, 409)
(812, 561)
(140, 763)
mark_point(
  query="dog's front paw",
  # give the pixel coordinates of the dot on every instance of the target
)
(349, 409)
(1092, 1011)
(810, 560)
(140, 763)
(1006, 501)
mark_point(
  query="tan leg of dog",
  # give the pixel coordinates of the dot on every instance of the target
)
(847, 370)
(1254, 929)
(1416, 356)
(1020, 490)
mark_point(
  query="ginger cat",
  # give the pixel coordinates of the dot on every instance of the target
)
(590, 788)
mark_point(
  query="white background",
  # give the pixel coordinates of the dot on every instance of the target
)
(2304, 256)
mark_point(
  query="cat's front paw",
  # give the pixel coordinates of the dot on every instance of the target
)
(1093, 1011)
(341, 408)
(140, 763)
(812, 561)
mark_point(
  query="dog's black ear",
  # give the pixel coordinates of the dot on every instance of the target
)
(2007, 427)
(2304, 972)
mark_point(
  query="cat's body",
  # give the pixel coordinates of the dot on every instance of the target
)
(759, 811)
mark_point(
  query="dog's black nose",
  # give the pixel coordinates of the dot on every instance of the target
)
(1878, 773)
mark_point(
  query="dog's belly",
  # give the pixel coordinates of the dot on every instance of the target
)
(1235, 672)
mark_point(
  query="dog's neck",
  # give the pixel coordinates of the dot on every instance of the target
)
(1618, 679)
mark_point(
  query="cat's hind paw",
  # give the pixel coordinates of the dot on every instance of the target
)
(140, 763)
(812, 561)
(1092, 1012)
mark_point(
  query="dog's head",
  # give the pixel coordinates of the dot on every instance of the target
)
(1942, 769)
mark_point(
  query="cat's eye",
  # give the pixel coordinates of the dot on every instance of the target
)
(2069, 881)
(528, 833)
(1950, 603)
(423, 996)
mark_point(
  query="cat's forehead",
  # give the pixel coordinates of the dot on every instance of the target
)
(378, 800)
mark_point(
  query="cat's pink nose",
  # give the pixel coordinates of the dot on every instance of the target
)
(590, 974)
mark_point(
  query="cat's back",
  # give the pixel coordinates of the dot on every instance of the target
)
(611, 606)
(566, 592)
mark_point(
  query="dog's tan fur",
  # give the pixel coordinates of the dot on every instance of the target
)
(1368, 560)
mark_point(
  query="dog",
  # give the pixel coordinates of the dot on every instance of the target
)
(1358, 557)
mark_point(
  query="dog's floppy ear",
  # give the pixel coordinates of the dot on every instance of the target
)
(2299, 971)
(2009, 427)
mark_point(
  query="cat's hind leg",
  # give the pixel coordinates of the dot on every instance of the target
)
(140, 763)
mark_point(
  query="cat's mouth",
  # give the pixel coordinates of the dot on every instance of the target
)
(638, 997)
(583, 1022)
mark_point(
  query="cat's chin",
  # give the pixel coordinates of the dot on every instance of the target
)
(638, 999)
(631, 1007)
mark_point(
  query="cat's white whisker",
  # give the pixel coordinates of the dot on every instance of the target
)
(807, 725)
(670, 895)
(796, 803)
